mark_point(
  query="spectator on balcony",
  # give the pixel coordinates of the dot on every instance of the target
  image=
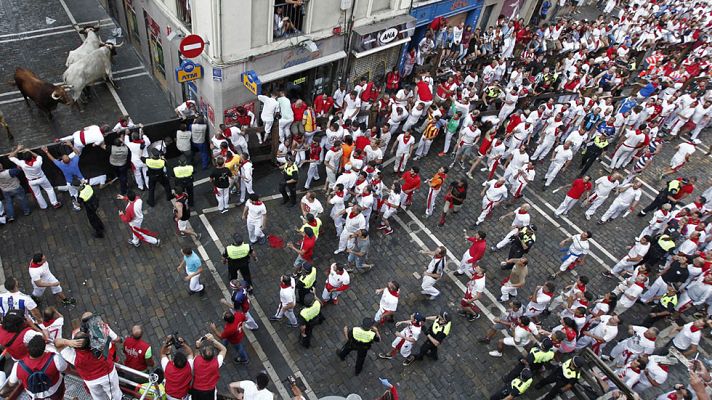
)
(99, 373)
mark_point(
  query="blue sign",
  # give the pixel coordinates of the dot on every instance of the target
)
(446, 8)
(188, 71)
(252, 82)
(217, 74)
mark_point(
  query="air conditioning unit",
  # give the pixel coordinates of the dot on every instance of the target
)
(346, 4)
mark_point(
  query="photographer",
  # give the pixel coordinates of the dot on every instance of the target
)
(178, 369)
(98, 373)
(207, 367)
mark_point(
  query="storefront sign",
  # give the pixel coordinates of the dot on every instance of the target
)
(188, 71)
(251, 82)
(217, 74)
(371, 37)
(153, 27)
(445, 8)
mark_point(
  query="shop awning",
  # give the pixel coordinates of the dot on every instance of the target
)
(379, 26)
(273, 76)
(377, 49)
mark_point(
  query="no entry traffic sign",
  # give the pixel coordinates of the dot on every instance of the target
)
(191, 46)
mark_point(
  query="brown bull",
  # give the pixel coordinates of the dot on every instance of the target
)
(44, 94)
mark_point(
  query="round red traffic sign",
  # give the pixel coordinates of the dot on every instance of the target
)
(191, 46)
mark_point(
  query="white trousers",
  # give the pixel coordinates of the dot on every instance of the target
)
(597, 202)
(487, 207)
(194, 284)
(622, 157)
(507, 292)
(223, 197)
(543, 149)
(105, 388)
(430, 203)
(551, 173)
(149, 239)
(250, 323)
(423, 147)
(506, 239)
(400, 161)
(285, 129)
(465, 265)
(254, 230)
(566, 206)
(345, 242)
(245, 188)
(328, 296)
(37, 185)
(448, 140)
(428, 286)
(141, 177)
(658, 288)
(623, 266)
(567, 262)
(616, 208)
(312, 174)
(288, 313)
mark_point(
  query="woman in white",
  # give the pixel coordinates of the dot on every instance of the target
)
(31, 165)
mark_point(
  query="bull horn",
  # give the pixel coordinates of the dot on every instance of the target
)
(119, 45)
(54, 97)
(65, 86)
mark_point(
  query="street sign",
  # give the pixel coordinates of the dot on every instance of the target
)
(191, 46)
(252, 82)
(188, 71)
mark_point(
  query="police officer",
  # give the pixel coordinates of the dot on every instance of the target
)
(434, 336)
(90, 201)
(538, 358)
(157, 174)
(520, 244)
(290, 178)
(308, 317)
(305, 282)
(665, 195)
(664, 307)
(516, 387)
(662, 245)
(360, 339)
(592, 151)
(564, 377)
(237, 257)
(183, 172)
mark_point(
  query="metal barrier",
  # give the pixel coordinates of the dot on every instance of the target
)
(592, 381)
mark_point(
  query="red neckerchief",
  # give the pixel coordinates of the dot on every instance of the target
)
(641, 284)
(257, 203)
(284, 285)
(570, 333)
(394, 294)
(477, 276)
(665, 368)
(581, 287)
(522, 212)
(636, 370)
(48, 323)
(498, 184)
(352, 214)
(181, 196)
(695, 329)
(339, 193)
(339, 273)
(406, 139)
(550, 294)
(35, 265)
(360, 180)
(123, 123)
(314, 223)
(137, 141)
(370, 169)
(31, 161)
(82, 138)
(416, 323)
(525, 327)
(375, 182)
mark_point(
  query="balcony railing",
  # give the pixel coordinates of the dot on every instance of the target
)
(289, 18)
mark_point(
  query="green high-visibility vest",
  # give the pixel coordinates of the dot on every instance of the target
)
(309, 280)
(666, 243)
(521, 385)
(541, 356)
(668, 299)
(362, 335)
(570, 373)
(437, 328)
(312, 311)
(236, 252)
(290, 170)
(155, 164)
(674, 186)
(600, 141)
(183, 171)
(86, 193)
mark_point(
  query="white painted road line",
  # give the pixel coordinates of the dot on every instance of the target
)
(262, 315)
(18, 39)
(81, 24)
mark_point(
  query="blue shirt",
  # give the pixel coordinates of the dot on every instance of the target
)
(192, 263)
(606, 129)
(70, 170)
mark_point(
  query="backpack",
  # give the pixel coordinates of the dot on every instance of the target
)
(38, 381)
(98, 335)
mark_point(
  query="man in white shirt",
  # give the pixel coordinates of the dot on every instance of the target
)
(522, 333)
(517, 160)
(42, 278)
(14, 299)
(575, 253)
(352, 106)
(354, 222)
(601, 334)
(680, 158)
(31, 165)
(494, 193)
(603, 188)
(255, 216)
(245, 178)
(287, 117)
(403, 147)
(688, 338)
(633, 140)
(634, 256)
(626, 201)
(269, 109)
(249, 390)
(559, 160)
(641, 341)
(287, 301)
(336, 283)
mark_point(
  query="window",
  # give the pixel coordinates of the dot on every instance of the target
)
(132, 21)
(289, 18)
(183, 7)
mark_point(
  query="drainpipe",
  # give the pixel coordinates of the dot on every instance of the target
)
(347, 46)
(219, 32)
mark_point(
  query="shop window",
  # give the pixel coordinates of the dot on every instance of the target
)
(183, 7)
(289, 18)
(380, 5)
(132, 21)
(155, 48)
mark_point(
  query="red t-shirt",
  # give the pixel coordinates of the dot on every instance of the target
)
(135, 351)
(477, 249)
(362, 142)
(177, 380)
(410, 181)
(308, 248)
(685, 189)
(233, 330)
(298, 112)
(424, 93)
(17, 349)
(207, 373)
(579, 186)
(323, 105)
(36, 364)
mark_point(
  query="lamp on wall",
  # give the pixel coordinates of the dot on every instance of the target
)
(174, 34)
(309, 45)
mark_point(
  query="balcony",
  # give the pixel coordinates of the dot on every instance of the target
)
(183, 8)
(289, 18)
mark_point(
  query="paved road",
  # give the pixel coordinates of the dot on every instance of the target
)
(27, 40)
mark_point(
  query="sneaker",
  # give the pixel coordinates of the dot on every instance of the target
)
(381, 226)
(388, 231)
(293, 325)
(200, 235)
(69, 301)
(469, 175)
(441, 154)
(588, 217)
(241, 361)
(483, 340)
(458, 273)
(495, 353)
(201, 293)
(134, 244)
(57, 205)
(223, 211)
(483, 169)
(409, 360)
(474, 317)
(158, 243)
(335, 301)
(274, 318)
(462, 313)
(337, 251)
(385, 356)
(607, 274)
(494, 248)
(9, 220)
